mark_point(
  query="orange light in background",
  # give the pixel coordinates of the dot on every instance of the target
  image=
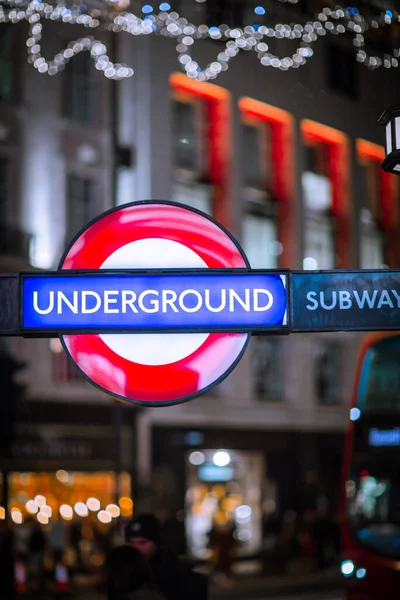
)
(31, 507)
(198, 88)
(40, 500)
(46, 510)
(126, 505)
(62, 476)
(16, 516)
(2, 513)
(114, 510)
(93, 504)
(81, 509)
(322, 133)
(66, 512)
(43, 518)
(369, 150)
(104, 517)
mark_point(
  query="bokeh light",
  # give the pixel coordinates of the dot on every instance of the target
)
(93, 504)
(62, 476)
(126, 505)
(43, 518)
(221, 458)
(113, 510)
(104, 517)
(2, 513)
(40, 500)
(16, 516)
(196, 458)
(81, 509)
(31, 507)
(66, 512)
(46, 510)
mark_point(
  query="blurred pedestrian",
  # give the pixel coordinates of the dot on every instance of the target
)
(172, 576)
(6, 561)
(129, 576)
(36, 548)
(222, 544)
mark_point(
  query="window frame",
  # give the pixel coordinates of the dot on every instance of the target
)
(273, 394)
(199, 172)
(8, 59)
(84, 181)
(265, 158)
(84, 113)
(335, 377)
(338, 147)
(4, 207)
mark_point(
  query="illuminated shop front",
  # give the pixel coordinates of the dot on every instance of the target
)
(65, 476)
(224, 489)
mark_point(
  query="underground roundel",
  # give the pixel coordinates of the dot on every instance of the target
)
(156, 368)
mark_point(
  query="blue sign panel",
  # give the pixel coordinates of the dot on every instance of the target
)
(190, 301)
(342, 300)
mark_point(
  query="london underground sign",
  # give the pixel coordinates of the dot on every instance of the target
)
(188, 301)
(155, 302)
(155, 368)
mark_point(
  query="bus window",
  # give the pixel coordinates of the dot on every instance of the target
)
(373, 484)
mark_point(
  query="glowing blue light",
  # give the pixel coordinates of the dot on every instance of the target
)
(347, 567)
(355, 414)
(164, 6)
(361, 573)
(213, 30)
(353, 11)
(389, 13)
(147, 8)
(259, 10)
(256, 27)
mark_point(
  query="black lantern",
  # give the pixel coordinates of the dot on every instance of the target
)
(391, 120)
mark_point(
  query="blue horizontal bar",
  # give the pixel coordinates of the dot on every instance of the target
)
(218, 301)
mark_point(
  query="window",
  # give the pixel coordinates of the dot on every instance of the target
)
(81, 203)
(319, 242)
(189, 138)
(259, 241)
(6, 64)
(81, 97)
(372, 231)
(342, 73)
(266, 368)
(3, 191)
(327, 372)
(259, 225)
(62, 367)
(195, 194)
(256, 155)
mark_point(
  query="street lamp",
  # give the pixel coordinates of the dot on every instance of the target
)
(390, 119)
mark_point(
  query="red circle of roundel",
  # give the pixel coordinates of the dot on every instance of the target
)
(161, 384)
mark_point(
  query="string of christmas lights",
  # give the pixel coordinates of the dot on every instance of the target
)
(170, 24)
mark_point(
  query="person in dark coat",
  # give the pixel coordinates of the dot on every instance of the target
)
(6, 562)
(129, 576)
(173, 577)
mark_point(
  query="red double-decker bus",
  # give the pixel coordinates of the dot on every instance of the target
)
(370, 502)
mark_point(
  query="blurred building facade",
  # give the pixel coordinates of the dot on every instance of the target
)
(288, 161)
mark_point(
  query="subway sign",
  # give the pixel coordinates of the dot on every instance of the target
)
(169, 301)
(155, 302)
